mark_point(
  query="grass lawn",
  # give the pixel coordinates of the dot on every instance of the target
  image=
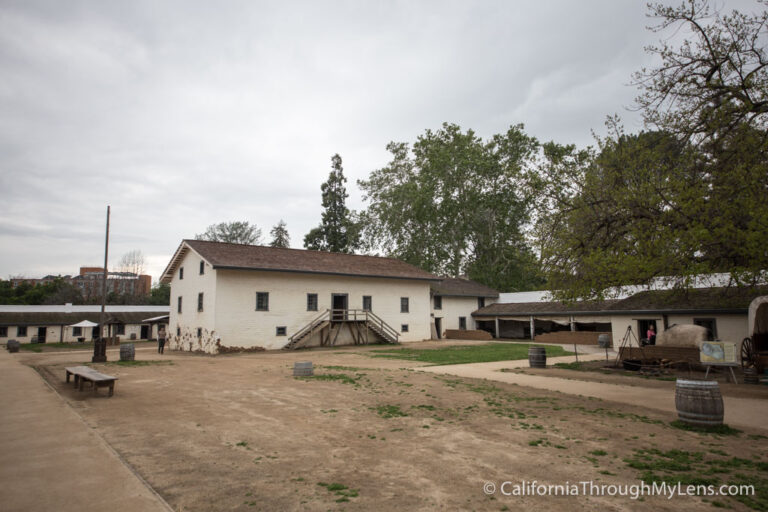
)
(461, 354)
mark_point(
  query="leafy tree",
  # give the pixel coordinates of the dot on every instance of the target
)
(57, 291)
(280, 237)
(339, 230)
(232, 232)
(454, 204)
(160, 295)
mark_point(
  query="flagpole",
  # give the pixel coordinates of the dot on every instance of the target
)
(100, 344)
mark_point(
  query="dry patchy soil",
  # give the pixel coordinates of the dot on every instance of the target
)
(239, 432)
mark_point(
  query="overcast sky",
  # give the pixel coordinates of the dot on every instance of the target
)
(183, 114)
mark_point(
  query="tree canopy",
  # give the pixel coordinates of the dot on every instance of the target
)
(280, 236)
(454, 204)
(235, 232)
(338, 230)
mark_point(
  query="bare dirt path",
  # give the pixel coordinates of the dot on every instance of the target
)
(47, 451)
(239, 432)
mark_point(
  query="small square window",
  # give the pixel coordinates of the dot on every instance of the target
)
(202, 267)
(311, 302)
(404, 304)
(76, 331)
(262, 301)
(404, 328)
(120, 329)
(463, 323)
(181, 273)
(3, 332)
(21, 330)
(199, 332)
(200, 301)
(281, 331)
(178, 308)
(438, 302)
(367, 303)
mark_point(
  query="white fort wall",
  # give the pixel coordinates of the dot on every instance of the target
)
(238, 324)
(455, 307)
(183, 326)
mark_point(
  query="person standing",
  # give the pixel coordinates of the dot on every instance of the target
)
(161, 340)
(651, 335)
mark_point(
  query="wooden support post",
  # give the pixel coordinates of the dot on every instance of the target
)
(533, 328)
(498, 334)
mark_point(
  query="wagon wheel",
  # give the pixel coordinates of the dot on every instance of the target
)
(748, 354)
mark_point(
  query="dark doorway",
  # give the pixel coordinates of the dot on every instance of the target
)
(642, 331)
(94, 333)
(41, 332)
(438, 327)
(144, 332)
(339, 305)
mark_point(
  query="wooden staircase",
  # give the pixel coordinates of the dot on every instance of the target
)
(364, 326)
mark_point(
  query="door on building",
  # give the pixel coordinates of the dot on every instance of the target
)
(438, 327)
(144, 332)
(41, 332)
(642, 330)
(339, 306)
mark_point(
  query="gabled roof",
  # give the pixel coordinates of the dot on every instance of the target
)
(460, 287)
(256, 257)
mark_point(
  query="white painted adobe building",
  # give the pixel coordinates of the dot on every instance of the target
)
(232, 295)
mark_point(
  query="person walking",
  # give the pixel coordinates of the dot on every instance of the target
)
(161, 340)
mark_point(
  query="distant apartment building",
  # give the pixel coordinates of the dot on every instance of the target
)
(89, 282)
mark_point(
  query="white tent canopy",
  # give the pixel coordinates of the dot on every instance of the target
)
(85, 323)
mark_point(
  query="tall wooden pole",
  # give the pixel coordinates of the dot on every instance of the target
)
(100, 345)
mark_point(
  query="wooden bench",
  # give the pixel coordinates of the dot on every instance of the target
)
(97, 380)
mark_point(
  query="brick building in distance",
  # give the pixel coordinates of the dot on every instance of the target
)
(89, 282)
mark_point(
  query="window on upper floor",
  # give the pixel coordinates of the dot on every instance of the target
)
(202, 267)
(480, 302)
(438, 300)
(367, 303)
(311, 302)
(200, 301)
(262, 301)
(404, 304)
(178, 307)
(181, 273)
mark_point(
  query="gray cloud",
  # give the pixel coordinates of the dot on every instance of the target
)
(182, 114)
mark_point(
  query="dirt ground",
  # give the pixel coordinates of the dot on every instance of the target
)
(239, 432)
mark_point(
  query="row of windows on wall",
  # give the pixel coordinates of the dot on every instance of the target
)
(438, 302)
(202, 270)
(199, 303)
(262, 302)
(21, 330)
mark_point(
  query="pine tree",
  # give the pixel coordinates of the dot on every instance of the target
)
(338, 231)
(280, 237)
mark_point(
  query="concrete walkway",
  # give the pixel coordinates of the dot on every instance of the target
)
(739, 412)
(51, 460)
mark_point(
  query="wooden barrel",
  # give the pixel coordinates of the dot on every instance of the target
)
(604, 341)
(303, 369)
(699, 402)
(12, 346)
(127, 352)
(537, 357)
(750, 376)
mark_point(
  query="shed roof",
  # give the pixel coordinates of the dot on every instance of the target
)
(460, 287)
(256, 257)
(28, 318)
(698, 300)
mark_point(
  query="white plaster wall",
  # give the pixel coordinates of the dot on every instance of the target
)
(239, 324)
(732, 328)
(453, 308)
(182, 327)
(54, 333)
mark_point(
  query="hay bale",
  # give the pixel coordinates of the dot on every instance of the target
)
(682, 335)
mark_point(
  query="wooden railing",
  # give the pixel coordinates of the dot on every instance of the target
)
(346, 315)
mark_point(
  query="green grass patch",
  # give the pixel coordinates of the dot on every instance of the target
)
(389, 411)
(461, 354)
(598, 453)
(338, 377)
(340, 490)
(721, 430)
